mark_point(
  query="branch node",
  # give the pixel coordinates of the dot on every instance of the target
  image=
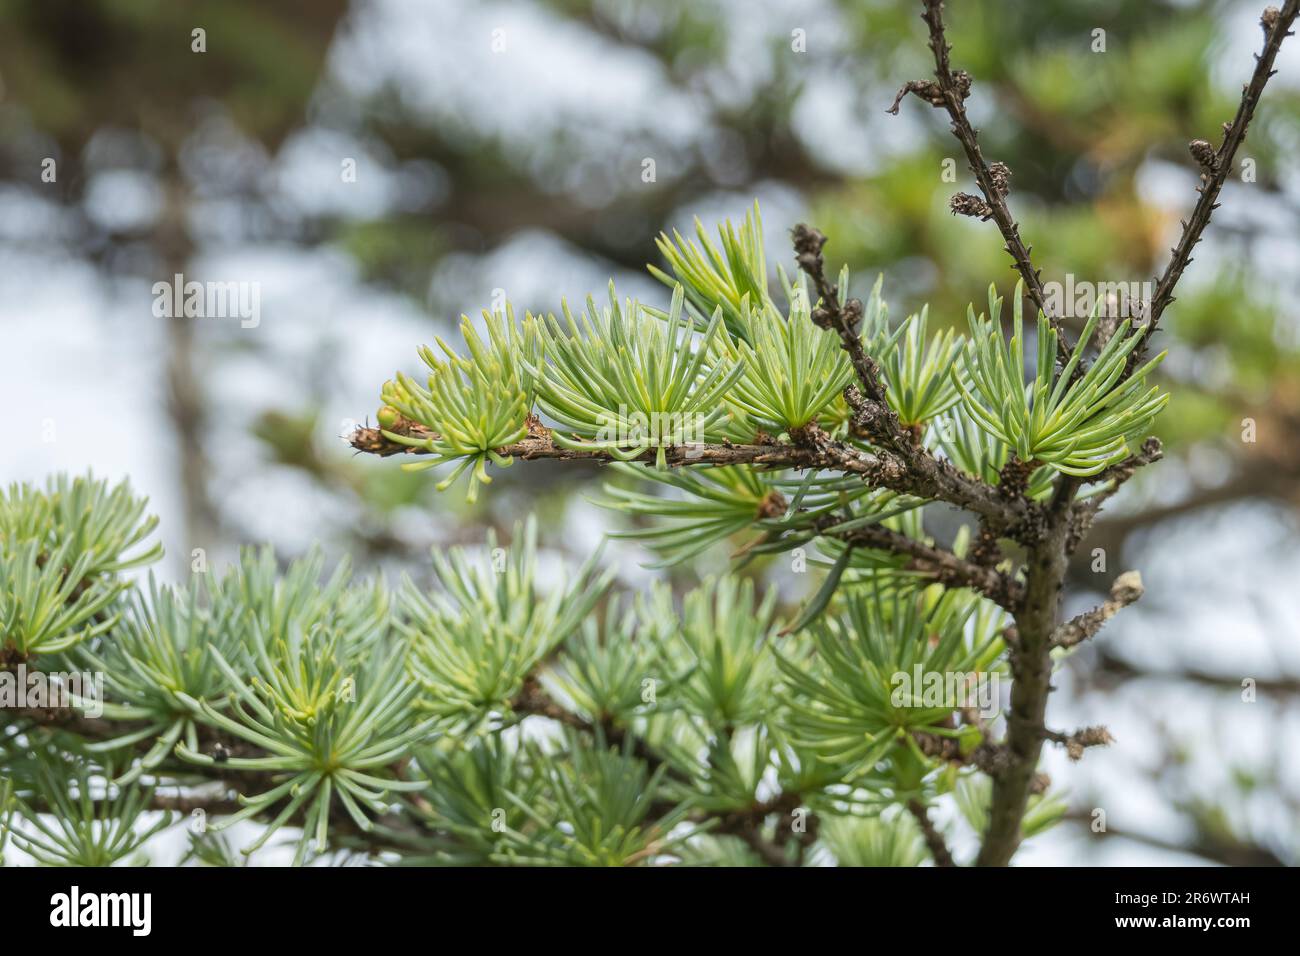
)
(928, 90)
(964, 204)
(1000, 173)
(1076, 743)
(1205, 156)
(1126, 589)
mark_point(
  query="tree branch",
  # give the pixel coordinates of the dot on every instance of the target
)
(1047, 559)
(1031, 671)
(946, 567)
(1215, 166)
(876, 418)
(921, 474)
(950, 93)
(1077, 742)
(1086, 511)
(1126, 589)
(1111, 669)
(933, 838)
(898, 450)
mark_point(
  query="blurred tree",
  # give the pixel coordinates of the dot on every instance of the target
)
(118, 84)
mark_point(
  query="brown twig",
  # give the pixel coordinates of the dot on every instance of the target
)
(1215, 847)
(919, 474)
(1216, 165)
(813, 449)
(1085, 512)
(950, 93)
(899, 452)
(875, 418)
(933, 838)
(1126, 589)
(1046, 562)
(945, 566)
(1075, 743)
(1110, 669)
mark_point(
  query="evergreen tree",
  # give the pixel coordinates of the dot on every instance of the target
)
(494, 720)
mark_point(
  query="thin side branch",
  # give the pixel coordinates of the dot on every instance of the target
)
(1215, 847)
(1111, 669)
(1080, 740)
(1217, 164)
(944, 565)
(950, 93)
(933, 838)
(1126, 589)
(533, 701)
(1115, 476)
(919, 474)
(899, 452)
(877, 420)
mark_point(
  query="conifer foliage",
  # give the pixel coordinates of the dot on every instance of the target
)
(489, 718)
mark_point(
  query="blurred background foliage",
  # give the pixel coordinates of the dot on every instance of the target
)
(501, 149)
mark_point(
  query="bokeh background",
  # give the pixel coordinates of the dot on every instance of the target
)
(500, 147)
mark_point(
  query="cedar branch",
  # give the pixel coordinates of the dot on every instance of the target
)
(1216, 167)
(919, 474)
(952, 88)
